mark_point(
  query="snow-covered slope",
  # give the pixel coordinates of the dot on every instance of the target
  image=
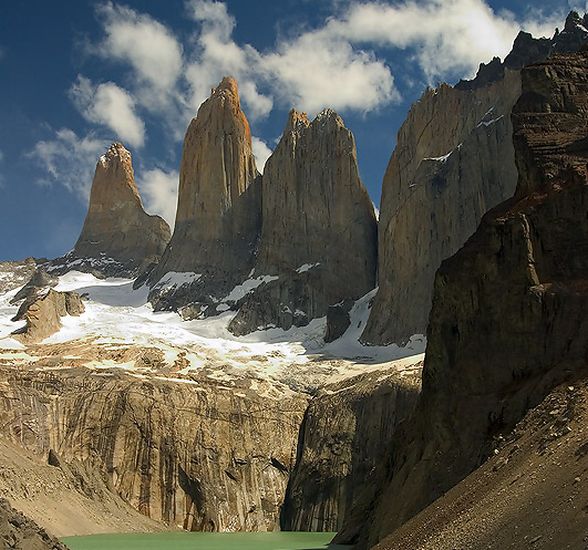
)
(118, 317)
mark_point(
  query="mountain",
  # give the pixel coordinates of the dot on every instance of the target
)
(319, 230)
(219, 208)
(454, 160)
(508, 321)
(118, 236)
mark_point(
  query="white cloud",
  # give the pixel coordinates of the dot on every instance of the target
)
(315, 70)
(216, 54)
(319, 69)
(261, 151)
(69, 160)
(1, 156)
(111, 106)
(160, 193)
(444, 36)
(150, 48)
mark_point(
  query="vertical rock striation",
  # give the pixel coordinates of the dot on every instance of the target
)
(218, 217)
(198, 455)
(508, 322)
(454, 160)
(346, 430)
(118, 237)
(319, 232)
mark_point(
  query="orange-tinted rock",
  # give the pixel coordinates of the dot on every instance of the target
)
(218, 217)
(118, 236)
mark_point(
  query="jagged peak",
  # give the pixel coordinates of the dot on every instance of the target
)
(296, 120)
(573, 21)
(327, 117)
(227, 88)
(116, 150)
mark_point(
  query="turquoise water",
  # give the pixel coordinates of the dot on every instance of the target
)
(204, 541)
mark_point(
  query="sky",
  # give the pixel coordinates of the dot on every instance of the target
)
(76, 75)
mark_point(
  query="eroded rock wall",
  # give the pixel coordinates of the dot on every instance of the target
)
(196, 455)
(346, 432)
(319, 230)
(508, 321)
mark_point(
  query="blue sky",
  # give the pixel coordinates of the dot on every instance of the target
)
(76, 75)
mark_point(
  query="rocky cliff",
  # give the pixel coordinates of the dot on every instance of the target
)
(454, 160)
(195, 454)
(43, 314)
(218, 217)
(319, 231)
(346, 430)
(508, 320)
(17, 532)
(118, 237)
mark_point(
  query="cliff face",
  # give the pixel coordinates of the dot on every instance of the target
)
(454, 161)
(218, 217)
(118, 236)
(508, 321)
(318, 238)
(199, 455)
(346, 431)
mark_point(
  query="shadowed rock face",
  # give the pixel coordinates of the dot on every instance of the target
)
(346, 430)
(19, 532)
(319, 228)
(218, 217)
(118, 237)
(453, 162)
(509, 314)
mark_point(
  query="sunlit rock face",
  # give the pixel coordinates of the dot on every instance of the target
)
(203, 456)
(219, 205)
(454, 160)
(319, 231)
(118, 236)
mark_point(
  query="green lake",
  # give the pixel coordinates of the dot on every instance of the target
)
(204, 541)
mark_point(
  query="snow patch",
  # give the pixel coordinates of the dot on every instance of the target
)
(487, 123)
(176, 279)
(307, 267)
(240, 291)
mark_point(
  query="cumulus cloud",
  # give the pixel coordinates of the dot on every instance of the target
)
(443, 36)
(216, 54)
(160, 191)
(312, 71)
(150, 48)
(69, 159)
(261, 151)
(111, 106)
